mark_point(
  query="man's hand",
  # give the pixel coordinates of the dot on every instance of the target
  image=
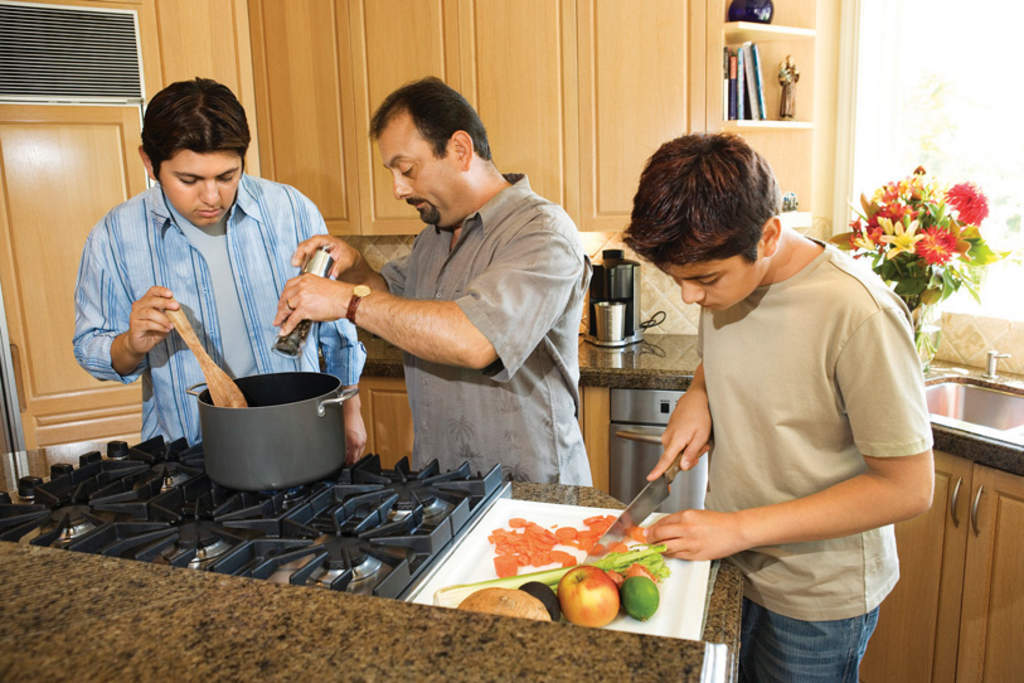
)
(688, 432)
(345, 257)
(355, 430)
(699, 534)
(147, 327)
(309, 297)
(147, 324)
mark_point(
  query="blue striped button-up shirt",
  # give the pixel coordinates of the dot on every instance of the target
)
(137, 246)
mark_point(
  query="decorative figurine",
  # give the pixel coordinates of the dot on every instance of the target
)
(790, 202)
(788, 76)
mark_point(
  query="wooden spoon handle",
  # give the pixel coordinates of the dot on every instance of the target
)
(223, 389)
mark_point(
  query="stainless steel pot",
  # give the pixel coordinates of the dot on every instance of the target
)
(292, 433)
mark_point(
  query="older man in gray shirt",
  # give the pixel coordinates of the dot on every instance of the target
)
(486, 307)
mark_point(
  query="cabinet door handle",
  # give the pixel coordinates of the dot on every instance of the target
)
(955, 500)
(974, 511)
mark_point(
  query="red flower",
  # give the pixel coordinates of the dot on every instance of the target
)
(969, 202)
(937, 246)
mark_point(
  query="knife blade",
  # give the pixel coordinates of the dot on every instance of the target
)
(643, 504)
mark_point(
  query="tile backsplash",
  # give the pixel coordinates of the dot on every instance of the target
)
(965, 338)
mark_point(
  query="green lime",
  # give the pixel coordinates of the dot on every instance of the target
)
(639, 597)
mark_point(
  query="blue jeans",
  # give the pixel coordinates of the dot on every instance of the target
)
(777, 648)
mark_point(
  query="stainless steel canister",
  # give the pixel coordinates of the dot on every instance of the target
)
(319, 264)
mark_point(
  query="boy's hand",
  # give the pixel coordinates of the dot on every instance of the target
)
(699, 534)
(688, 432)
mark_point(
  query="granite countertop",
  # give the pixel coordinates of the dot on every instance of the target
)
(660, 361)
(667, 361)
(75, 616)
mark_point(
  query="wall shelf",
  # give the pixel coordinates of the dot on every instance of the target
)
(742, 31)
(767, 124)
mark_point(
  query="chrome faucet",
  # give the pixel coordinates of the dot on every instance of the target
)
(990, 365)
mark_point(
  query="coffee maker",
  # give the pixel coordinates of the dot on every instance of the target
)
(614, 286)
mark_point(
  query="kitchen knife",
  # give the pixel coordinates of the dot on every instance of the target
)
(645, 502)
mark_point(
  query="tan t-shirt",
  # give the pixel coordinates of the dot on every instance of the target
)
(804, 377)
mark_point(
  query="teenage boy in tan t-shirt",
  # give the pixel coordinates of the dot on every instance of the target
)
(810, 381)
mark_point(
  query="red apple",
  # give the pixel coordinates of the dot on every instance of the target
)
(588, 596)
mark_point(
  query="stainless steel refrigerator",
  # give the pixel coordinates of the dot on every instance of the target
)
(11, 437)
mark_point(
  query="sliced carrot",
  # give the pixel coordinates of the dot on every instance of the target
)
(619, 547)
(597, 549)
(618, 578)
(596, 519)
(638, 534)
(506, 566)
(564, 558)
(565, 534)
(517, 522)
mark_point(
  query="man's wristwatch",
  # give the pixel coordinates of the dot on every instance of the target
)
(358, 292)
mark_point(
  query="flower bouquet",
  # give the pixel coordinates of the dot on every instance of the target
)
(925, 241)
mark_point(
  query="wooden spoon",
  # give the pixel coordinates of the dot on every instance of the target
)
(223, 390)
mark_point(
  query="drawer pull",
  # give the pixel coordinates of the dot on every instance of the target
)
(974, 511)
(955, 500)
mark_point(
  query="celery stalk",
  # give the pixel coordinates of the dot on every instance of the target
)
(649, 556)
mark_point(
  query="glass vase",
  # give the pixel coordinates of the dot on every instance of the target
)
(927, 333)
(751, 10)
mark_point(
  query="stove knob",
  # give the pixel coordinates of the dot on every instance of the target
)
(89, 458)
(27, 487)
(117, 450)
(60, 468)
(5, 498)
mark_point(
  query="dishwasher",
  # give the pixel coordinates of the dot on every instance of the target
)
(636, 416)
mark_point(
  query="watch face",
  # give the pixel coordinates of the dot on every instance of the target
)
(361, 290)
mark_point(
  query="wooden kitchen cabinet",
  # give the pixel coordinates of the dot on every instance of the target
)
(64, 168)
(595, 420)
(575, 93)
(992, 612)
(641, 83)
(956, 614)
(388, 418)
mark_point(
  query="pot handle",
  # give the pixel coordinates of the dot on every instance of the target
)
(192, 389)
(337, 400)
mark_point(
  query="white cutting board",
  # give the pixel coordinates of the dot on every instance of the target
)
(681, 608)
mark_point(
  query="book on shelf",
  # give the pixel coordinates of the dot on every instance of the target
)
(758, 78)
(741, 86)
(752, 78)
(732, 86)
(725, 81)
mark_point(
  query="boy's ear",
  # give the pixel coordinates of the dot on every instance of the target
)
(771, 232)
(148, 163)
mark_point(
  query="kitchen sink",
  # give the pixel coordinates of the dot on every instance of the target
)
(977, 408)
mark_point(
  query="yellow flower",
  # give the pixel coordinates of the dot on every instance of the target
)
(898, 238)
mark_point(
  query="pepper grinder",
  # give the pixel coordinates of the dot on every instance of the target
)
(290, 344)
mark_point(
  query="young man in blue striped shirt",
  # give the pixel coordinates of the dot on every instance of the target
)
(213, 239)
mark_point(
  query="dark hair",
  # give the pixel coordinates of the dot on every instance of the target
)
(200, 115)
(701, 198)
(437, 110)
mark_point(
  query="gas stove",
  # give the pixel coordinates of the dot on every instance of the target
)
(365, 529)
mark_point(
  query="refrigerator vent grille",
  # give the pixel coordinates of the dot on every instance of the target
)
(68, 53)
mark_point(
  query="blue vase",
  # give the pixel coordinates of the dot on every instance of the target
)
(751, 10)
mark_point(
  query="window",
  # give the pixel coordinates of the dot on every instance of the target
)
(940, 85)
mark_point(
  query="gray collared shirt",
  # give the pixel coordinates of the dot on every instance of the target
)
(520, 274)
